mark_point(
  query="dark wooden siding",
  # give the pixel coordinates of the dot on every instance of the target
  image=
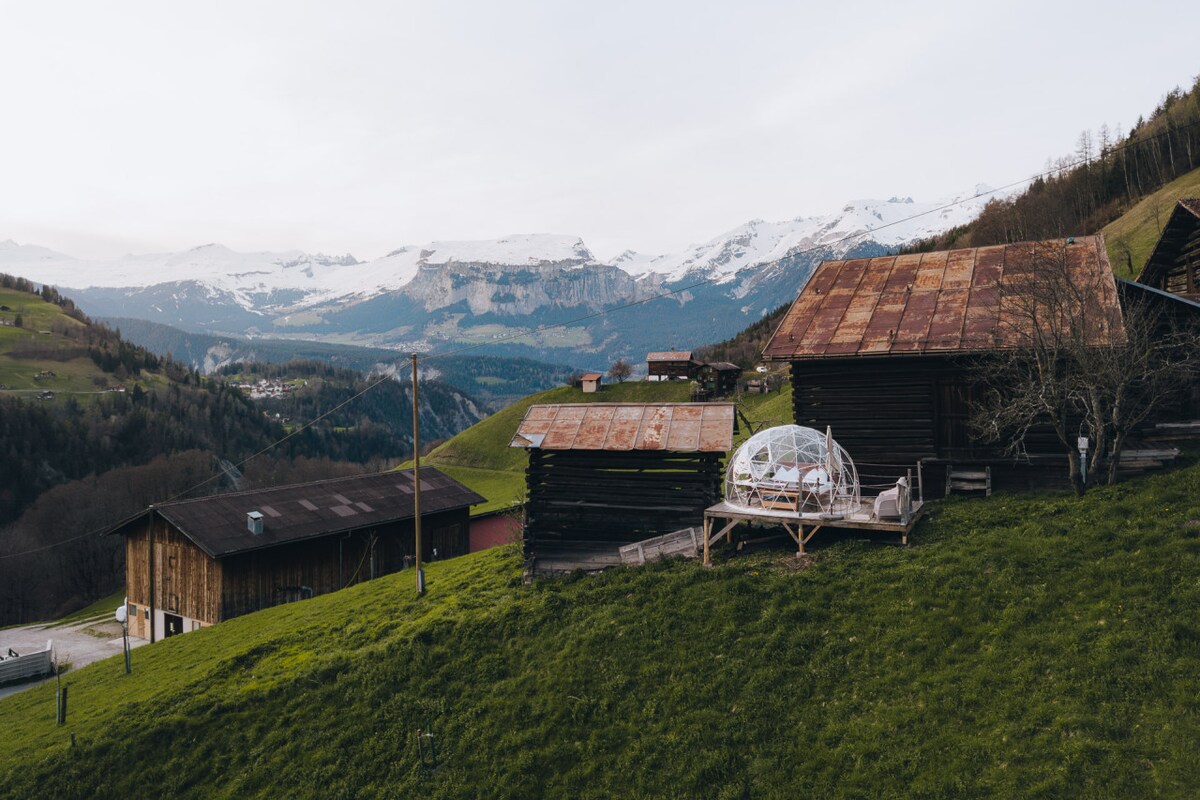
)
(880, 410)
(718, 381)
(682, 370)
(890, 413)
(264, 578)
(616, 496)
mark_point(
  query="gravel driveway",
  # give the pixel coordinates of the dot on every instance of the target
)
(80, 644)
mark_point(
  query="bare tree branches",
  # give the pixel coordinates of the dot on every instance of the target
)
(1075, 360)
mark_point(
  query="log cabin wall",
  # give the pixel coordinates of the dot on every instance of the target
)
(596, 495)
(1174, 265)
(891, 412)
(186, 581)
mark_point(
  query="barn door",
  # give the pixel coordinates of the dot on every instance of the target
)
(954, 398)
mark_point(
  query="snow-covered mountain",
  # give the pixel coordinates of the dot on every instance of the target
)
(889, 223)
(491, 291)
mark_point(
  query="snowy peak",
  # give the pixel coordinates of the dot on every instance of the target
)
(519, 249)
(889, 223)
(283, 282)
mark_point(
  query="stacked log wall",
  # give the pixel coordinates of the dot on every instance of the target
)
(617, 497)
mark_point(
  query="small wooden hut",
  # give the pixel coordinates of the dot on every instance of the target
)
(605, 474)
(718, 378)
(193, 563)
(1174, 264)
(672, 365)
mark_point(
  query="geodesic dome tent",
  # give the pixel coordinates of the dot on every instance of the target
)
(792, 468)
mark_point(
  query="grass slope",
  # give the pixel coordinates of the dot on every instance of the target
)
(1131, 238)
(39, 322)
(1039, 646)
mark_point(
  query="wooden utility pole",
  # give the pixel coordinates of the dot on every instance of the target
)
(417, 477)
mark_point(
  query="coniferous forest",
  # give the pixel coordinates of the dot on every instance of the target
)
(1107, 173)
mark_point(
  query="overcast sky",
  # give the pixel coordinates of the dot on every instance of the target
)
(363, 126)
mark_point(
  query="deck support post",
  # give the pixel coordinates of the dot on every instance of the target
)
(707, 528)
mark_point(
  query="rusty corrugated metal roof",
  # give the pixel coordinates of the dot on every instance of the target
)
(942, 302)
(672, 355)
(679, 427)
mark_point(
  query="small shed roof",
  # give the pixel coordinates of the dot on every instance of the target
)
(677, 427)
(942, 302)
(723, 366)
(592, 376)
(217, 524)
(670, 355)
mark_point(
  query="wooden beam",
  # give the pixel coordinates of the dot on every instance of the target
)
(727, 529)
(707, 528)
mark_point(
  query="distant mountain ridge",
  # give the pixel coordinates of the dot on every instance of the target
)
(495, 293)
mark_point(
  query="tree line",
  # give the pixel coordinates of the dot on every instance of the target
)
(1107, 173)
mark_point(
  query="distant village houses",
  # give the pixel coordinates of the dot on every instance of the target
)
(266, 388)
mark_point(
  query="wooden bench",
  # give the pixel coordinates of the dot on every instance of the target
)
(965, 479)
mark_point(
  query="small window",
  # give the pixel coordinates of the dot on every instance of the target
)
(147, 613)
(171, 562)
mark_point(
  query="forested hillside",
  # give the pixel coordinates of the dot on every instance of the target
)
(1108, 172)
(745, 348)
(93, 428)
(373, 425)
(494, 381)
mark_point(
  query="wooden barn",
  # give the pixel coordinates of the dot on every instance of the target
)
(193, 563)
(605, 474)
(1174, 265)
(718, 378)
(672, 365)
(881, 350)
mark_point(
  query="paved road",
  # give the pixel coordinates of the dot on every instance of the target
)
(80, 644)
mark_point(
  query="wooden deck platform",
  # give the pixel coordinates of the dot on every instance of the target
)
(803, 526)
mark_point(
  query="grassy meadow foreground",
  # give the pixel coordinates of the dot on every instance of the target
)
(1038, 646)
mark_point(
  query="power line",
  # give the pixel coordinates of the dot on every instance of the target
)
(541, 328)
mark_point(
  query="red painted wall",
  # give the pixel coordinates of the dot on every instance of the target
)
(491, 530)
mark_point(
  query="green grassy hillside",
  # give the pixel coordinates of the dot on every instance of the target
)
(1131, 238)
(1039, 646)
(40, 344)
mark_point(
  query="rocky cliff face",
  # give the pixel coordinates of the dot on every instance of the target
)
(520, 290)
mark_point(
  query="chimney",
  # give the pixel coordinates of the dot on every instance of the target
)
(254, 522)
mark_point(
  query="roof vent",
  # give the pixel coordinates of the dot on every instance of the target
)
(254, 522)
